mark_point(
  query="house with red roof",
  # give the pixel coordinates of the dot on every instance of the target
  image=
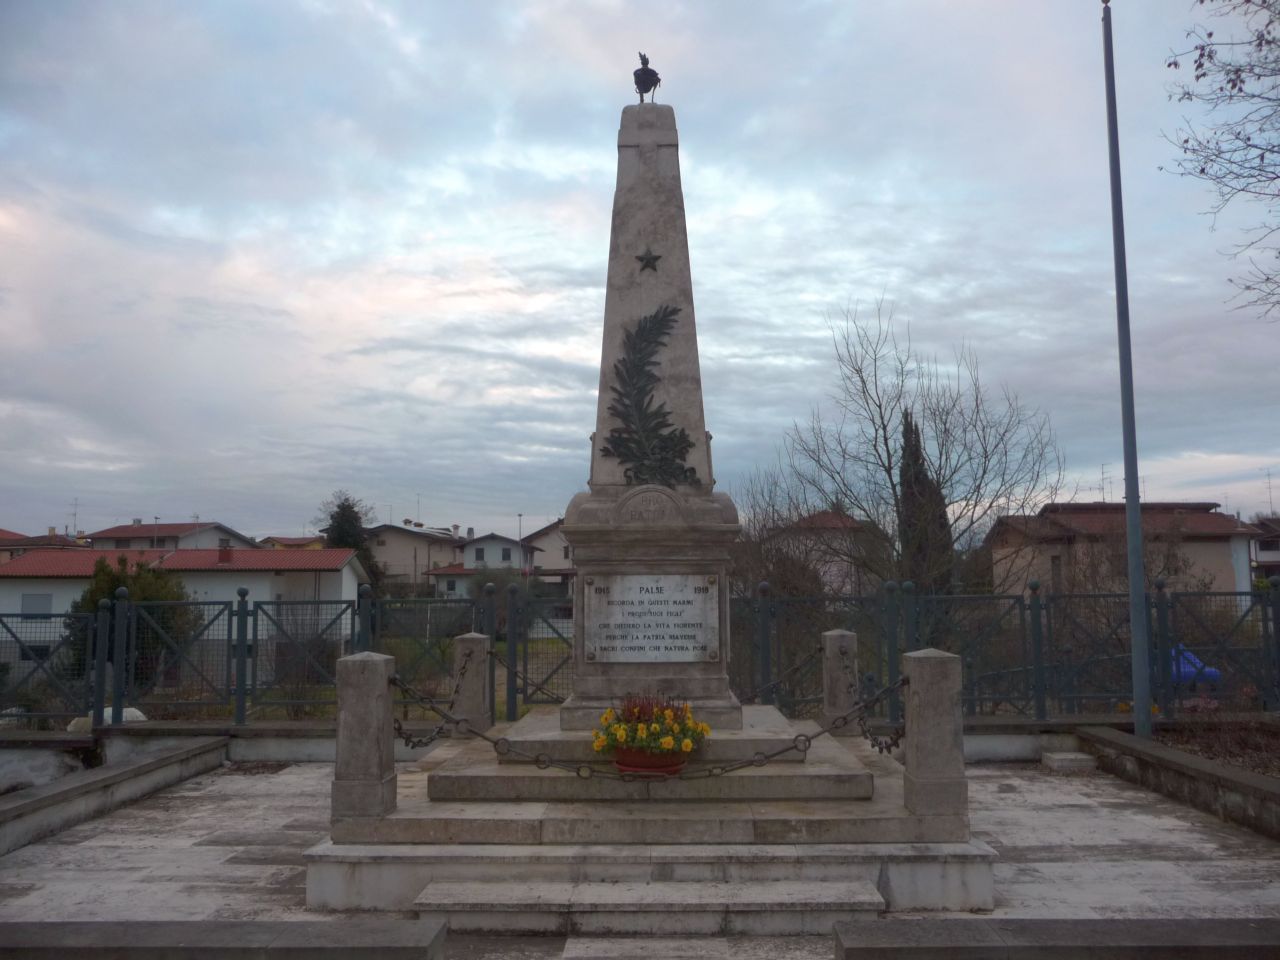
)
(147, 535)
(49, 581)
(1081, 547)
(16, 544)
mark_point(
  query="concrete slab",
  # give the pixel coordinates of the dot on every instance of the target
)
(1068, 761)
(1069, 848)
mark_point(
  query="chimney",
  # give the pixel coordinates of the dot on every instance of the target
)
(224, 555)
(408, 521)
(417, 526)
(471, 533)
(455, 529)
(53, 531)
(137, 521)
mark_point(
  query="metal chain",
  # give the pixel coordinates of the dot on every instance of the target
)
(412, 742)
(800, 743)
(782, 677)
(528, 683)
(882, 744)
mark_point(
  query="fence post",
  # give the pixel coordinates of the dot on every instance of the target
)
(1163, 640)
(764, 642)
(515, 638)
(1068, 685)
(242, 653)
(891, 648)
(488, 611)
(101, 637)
(910, 616)
(1037, 653)
(364, 618)
(119, 655)
(1273, 701)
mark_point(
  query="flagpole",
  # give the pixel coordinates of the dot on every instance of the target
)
(1132, 505)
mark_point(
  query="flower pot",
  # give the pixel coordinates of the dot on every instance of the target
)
(628, 760)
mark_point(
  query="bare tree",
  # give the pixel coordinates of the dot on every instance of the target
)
(987, 452)
(1236, 76)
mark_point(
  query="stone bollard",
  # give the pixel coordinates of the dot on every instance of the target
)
(364, 774)
(471, 663)
(839, 678)
(933, 751)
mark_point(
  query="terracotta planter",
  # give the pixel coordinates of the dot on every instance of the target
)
(628, 760)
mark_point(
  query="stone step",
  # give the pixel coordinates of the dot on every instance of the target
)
(830, 772)
(349, 938)
(1061, 939)
(764, 730)
(672, 908)
(777, 821)
(909, 875)
(646, 948)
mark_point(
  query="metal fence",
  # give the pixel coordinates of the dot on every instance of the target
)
(1023, 655)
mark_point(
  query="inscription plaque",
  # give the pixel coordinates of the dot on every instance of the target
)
(652, 618)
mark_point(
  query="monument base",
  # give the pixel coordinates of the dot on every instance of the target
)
(580, 713)
(759, 730)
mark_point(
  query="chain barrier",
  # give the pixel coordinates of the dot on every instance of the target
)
(446, 714)
(503, 747)
(528, 683)
(883, 744)
(783, 677)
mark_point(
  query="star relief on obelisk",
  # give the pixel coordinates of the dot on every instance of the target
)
(649, 260)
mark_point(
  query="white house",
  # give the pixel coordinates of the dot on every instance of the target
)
(408, 552)
(551, 555)
(197, 535)
(480, 555)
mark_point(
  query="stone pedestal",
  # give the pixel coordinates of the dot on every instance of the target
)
(471, 662)
(364, 773)
(839, 678)
(933, 781)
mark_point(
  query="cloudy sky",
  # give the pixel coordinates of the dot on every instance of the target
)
(253, 252)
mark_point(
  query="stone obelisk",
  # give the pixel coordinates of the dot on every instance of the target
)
(650, 536)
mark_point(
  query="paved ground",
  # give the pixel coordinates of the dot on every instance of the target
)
(229, 845)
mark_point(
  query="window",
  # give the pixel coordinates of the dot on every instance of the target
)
(451, 585)
(382, 542)
(123, 544)
(506, 554)
(224, 543)
(479, 554)
(37, 604)
(1269, 544)
(566, 552)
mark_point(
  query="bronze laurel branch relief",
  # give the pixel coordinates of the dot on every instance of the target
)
(650, 448)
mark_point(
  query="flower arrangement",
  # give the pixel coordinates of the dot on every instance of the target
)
(657, 726)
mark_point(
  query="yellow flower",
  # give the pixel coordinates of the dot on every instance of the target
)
(641, 732)
(686, 745)
(669, 715)
(706, 729)
(621, 734)
(606, 718)
(653, 728)
(667, 743)
(599, 743)
(675, 728)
